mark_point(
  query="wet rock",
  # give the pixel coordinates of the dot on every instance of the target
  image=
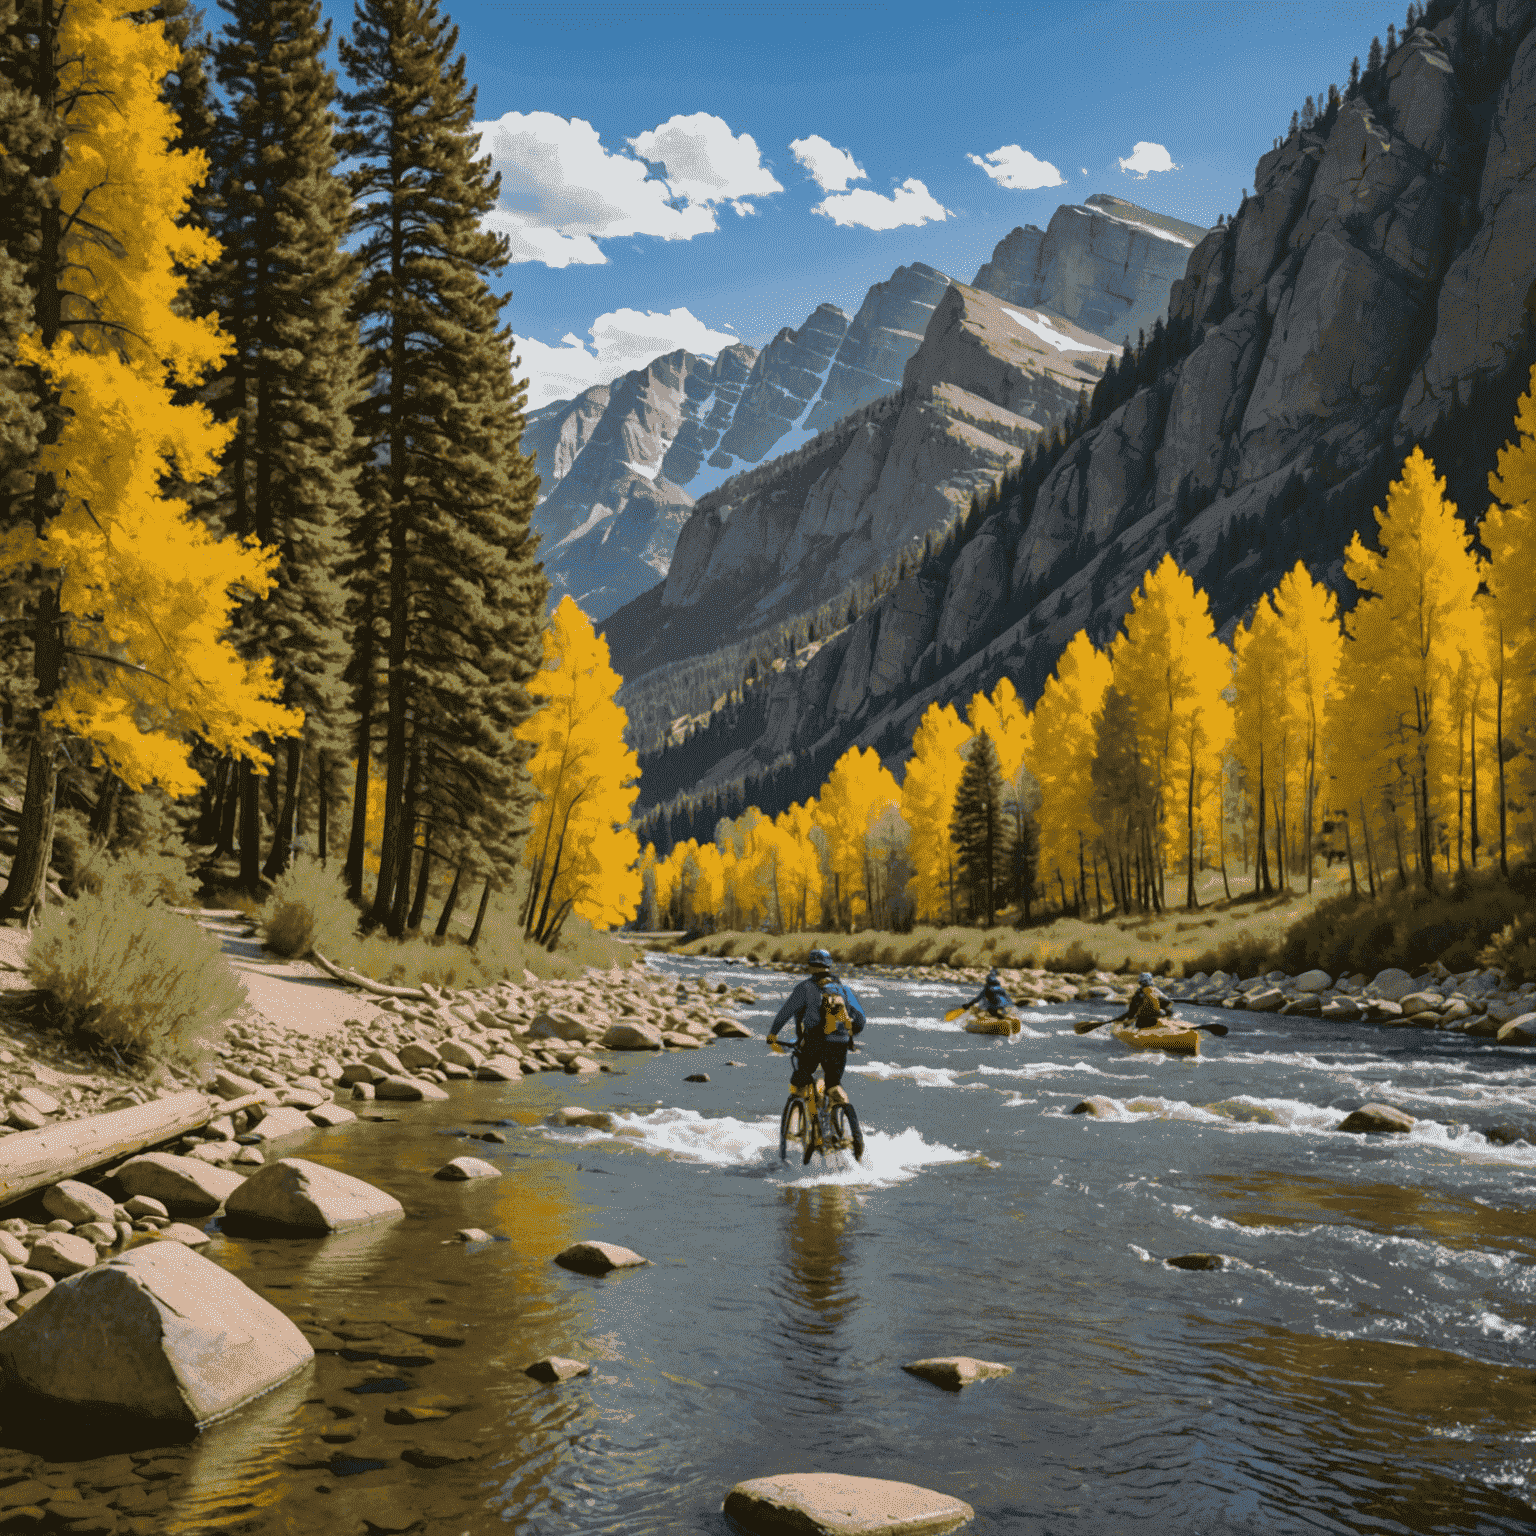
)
(409, 1090)
(354, 1072)
(1097, 1105)
(468, 1168)
(697, 1077)
(835, 1504)
(303, 1098)
(417, 1053)
(412, 1414)
(574, 1114)
(386, 1061)
(1392, 984)
(1341, 1008)
(500, 1069)
(1421, 1002)
(598, 1258)
(294, 1195)
(460, 1054)
(214, 1151)
(1482, 1025)
(1383, 1010)
(1377, 1117)
(1308, 1003)
(170, 1337)
(1519, 1031)
(76, 1202)
(282, 1121)
(381, 1511)
(441, 1453)
(61, 1254)
(1265, 1000)
(955, 1371)
(557, 1368)
(362, 1093)
(1198, 1261)
(729, 1029)
(1312, 981)
(181, 1232)
(183, 1185)
(229, 1085)
(328, 1115)
(498, 1137)
(473, 1235)
(632, 1037)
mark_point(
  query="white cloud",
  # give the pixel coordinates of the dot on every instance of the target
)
(562, 191)
(1085, 170)
(1146, 158)
(622, 339)
(910, 203)
(1017, 169)
(704, 163)
(831, 168)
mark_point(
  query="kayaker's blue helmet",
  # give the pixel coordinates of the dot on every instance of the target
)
(1145, 979)
(819, 960)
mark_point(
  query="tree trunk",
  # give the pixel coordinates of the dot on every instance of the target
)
(452, 901)
(1503, 802)
(250, 829)
(1349, 848)
(357, 837)
(105, 814)
(485, 901)
(224, 848)
(419, 902)
(1473, 839)
(282, 837)
(1189, 832)
(1261, 880)
(1370, 853)
(213, 807)
(323, 808)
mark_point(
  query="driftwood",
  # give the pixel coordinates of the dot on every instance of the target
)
(367, 983)
(32, 1160)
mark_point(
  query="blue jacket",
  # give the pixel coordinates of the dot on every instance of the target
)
(805, 1003)
(993, 996)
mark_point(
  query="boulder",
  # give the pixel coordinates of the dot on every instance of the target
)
(142, 1205)
(835, 1504)
(415, 1054)
(183, 1185)
(354, 1072)
(598, 1258)
(1307, 1002)
(328, 1115)
(287, 1120)
(1199, 1261)
(229, 1085)
(1482, 1025)
(386, 1061)
(500, 1069)
(1377, 1117)
(1520, 1031)
(1383, 1010)
(459, 1054)
(955, 1371)
(574, 1114)
(1341, 1008)
(561, 1026)
(1312, 981)
(170, 1337)
(1264, 1000)
(557, 1368)
(304, 1098)
(624, 1036)
(62, 1253)
(468, 1168)
(1392, 984)
(291, 1194)
(1098, 1106)
(408, 1090)
(76, 1202)
(1421, 1002)
(729, 1029)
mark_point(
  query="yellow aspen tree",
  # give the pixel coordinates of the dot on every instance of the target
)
(857, 790)
(667, 873)
(1174, 672)
(706, 890)
(764, 864)
(133, 596)
(1508, 532)
(646, 869)
(1062, 762)
(928, 803)
(1263, 720)
(801, 863)
(1416, 618)
(1307, 613)
(580, 853)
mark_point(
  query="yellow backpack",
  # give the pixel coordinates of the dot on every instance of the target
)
(834, 1010)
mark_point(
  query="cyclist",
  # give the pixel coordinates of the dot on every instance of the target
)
(827, 1015)
(992, 996)
(1145, 1006)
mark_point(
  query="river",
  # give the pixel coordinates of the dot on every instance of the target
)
(1363, 1366)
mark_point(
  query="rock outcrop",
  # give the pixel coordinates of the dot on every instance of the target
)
(786, 377)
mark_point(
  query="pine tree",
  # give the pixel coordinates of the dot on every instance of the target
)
(1354, 74)
(979, 829)
(1373, 56)
(1308, 113)
(293, 379)
(448, 491)
(1391, 38)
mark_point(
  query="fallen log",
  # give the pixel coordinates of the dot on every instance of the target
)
(367, 983)
(32, 1160)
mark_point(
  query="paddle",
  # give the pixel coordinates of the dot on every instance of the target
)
(1089, 1025)
(953, 1014)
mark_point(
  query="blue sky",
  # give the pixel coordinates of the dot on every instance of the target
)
(651, 190)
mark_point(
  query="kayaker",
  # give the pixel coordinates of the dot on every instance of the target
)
(992, 997)
(827, 1016)
(1146, 1006)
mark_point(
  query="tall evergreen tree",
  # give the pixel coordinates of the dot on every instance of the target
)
(979, 829)
(294, 378)
(448, 491)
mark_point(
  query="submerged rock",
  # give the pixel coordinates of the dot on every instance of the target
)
(574, 1114)
(1097, 1105)
(1198, 1261)
(557, 1368)
(835, 1504)
(170, 1337)
(1377, 1117)
(598, 1258)
(468, 1168)
(955, 1371)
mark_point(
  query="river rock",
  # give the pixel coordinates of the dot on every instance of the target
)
(835, 1504)
(500, 1069)
(328, 1115)
(1392, 984)
(386, 1061)
(416, 1054)
(1265, 1000)
(143, 1205)
(183, 1185)
(624, 1036)
(473, 1235)
(1421, 1002)
(697, 1077)
(283, 1121)
(557, 1368)
(1341, 1008)
(29, 1279)
(76, 1202)
(22, 1115)
(229, 1085)
(598, 1258)
(955, 1371)
(214, 1151)
(460, 1054)
(291, 1194)
(363, 1092)
(1377, 1117)
(729, 1029)
(12, 1249)
(1098, 1105)
(170, 1337)
(1383, 1010)
(561, 1026)
(304, 1098)
(181, 1232)
(62, 1253)
(408, 1090)
(1312, 981)
(1199, 1261)
(468, 1168)
(574, 1114)
(354, 1072)
(1483, 1025)
(582, 1066)
(1519, 1031)
(1307, 1003)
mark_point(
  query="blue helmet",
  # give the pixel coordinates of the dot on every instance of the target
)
(819, 960)
(1145, 979)
(992, 974)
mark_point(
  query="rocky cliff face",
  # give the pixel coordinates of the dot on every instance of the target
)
(1106, 265)
(983, 385)
(1375, 292)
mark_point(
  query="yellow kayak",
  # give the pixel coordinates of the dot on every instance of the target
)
(978, 1023)
(1171, 1036)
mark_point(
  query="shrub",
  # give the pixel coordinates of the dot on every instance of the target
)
(1245, 954)
(1513, 950)
(1073, 960)
(142, 982)
(307, 910)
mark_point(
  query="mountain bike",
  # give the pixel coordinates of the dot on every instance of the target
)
(819, 1126)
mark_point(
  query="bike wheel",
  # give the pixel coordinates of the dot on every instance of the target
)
(813, 1138)
(846, 1127)
(791, 1125)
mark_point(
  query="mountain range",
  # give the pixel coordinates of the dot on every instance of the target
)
(623, 465)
